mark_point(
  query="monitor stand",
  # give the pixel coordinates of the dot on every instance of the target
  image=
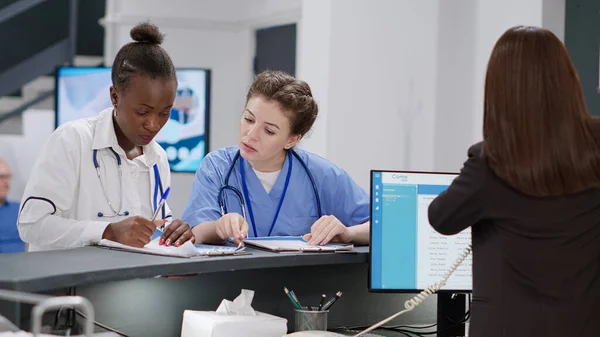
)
(450, 310)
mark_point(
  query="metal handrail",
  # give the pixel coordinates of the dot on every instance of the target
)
(43, 303)
(17, 8)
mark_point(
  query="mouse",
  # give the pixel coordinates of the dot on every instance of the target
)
(315, 334)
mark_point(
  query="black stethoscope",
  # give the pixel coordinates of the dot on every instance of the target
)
(115, 213)
(246, 195)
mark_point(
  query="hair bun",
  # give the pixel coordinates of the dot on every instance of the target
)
(147, 33)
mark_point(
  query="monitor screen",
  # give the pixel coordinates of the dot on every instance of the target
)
(407, 254)
(83, 92)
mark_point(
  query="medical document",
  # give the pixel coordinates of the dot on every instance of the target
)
(294, 244)
(188, 249)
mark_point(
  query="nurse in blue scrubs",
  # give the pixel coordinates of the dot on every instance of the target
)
(281, 190)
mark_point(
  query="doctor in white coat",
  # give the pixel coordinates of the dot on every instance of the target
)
(102, 177)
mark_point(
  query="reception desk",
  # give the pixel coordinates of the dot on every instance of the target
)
(145, 295)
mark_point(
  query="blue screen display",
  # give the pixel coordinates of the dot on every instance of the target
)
(83, 92)
(406, 253)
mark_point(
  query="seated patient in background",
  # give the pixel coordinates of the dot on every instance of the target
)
(531, 194)
(284, 190)
(10, 241)
(102, 177)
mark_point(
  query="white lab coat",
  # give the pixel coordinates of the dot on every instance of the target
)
(64, 195)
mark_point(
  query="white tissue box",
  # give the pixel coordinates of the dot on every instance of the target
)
(212, 324)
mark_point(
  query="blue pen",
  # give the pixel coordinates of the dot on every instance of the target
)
(161, 203)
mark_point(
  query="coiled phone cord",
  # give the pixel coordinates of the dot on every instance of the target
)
(413, 302)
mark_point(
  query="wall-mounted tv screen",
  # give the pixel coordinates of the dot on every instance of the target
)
(83, 92)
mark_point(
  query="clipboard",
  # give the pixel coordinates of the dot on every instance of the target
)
(294, 244)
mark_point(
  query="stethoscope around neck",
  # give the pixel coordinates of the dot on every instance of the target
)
(112, 208)
(118, 210)
(246, 194)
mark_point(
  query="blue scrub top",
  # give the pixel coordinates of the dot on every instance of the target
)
(10, 241)
(340, 195)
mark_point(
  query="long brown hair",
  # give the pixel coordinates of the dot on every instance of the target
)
(538, 134)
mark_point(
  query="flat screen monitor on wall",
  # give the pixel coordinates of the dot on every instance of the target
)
(84, 92)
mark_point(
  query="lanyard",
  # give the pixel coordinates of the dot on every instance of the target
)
(247, 196)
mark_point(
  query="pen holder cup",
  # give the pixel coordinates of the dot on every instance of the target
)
(306, 320)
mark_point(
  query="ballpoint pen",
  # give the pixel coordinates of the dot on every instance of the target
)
(287, 292)
(295, 298)
(331, 301)
(161, 203)
(322, 301)
(240, 246)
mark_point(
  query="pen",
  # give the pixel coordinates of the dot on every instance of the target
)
(240, 246)
(322, 301)
(287, 292)
(297, 306)
(295, 298)
(161, 203)
(332, 300)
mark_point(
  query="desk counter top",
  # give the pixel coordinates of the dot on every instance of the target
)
(43, 271)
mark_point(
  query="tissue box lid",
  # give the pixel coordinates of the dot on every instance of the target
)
(211, 316)
(212, 324)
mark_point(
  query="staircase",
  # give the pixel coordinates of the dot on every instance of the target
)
(31, 91)
(28, 68)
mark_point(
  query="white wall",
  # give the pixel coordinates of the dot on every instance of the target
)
(382, 86)
(468, 31)
(400, 83)
(455, 86)
(553, 17)
(313, 61)
(493, 18)
(373, 68)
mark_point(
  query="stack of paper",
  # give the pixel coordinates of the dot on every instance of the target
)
(294, 244)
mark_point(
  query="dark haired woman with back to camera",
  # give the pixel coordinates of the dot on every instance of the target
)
(102, 177)
(531, 194)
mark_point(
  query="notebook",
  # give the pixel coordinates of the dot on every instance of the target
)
(187, 249)
(294, 244)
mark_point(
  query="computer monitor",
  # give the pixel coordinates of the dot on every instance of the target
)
(407, 254)
(84, 91)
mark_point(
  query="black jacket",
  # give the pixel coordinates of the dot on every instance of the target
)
(536, 261)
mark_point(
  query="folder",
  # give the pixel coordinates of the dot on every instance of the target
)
(294, 244)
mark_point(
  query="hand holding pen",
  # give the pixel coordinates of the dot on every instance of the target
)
(232, 226)
(134, 231)
(176, 233)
